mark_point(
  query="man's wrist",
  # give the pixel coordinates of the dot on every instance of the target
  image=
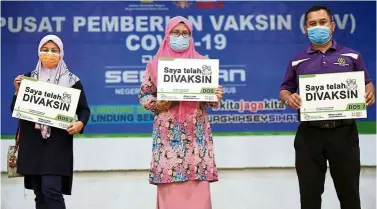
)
(286, 102)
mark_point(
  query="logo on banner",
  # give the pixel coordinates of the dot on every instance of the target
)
(182, 4)
(200, 4)
(209, 4)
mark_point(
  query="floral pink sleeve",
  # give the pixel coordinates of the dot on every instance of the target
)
(148, 92)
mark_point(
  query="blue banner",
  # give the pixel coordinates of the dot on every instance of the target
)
(107, 45)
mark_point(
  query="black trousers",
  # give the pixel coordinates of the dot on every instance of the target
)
(340, 147)
(47, 190)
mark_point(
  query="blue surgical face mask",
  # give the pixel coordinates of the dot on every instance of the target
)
(179, 44)
(319, 35)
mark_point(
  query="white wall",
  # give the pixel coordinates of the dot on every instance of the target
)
(240, 189)
(230, 152)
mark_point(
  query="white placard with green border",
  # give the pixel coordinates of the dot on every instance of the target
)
(187, 79)
(46, 103)
(332, 96)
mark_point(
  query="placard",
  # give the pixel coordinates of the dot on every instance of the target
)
(46, 103)
(332, 96)
(188, 79)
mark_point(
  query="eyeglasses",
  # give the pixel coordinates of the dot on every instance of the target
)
(52, 51)
(184, 34)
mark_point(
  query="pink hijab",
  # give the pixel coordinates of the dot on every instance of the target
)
(184, 108)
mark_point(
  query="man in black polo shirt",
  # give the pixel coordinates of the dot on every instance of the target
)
(336, 141)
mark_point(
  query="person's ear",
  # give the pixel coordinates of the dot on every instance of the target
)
(332, 27)
(306, 30)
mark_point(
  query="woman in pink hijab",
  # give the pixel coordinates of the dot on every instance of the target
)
(183, 162)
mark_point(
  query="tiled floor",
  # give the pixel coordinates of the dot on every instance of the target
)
(241, 189)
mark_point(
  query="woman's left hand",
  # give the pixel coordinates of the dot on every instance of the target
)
(75, 128)
(219, 93)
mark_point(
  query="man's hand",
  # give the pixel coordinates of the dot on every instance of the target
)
(163, 106)
(75, 128)
(294, 101)
(369, 98)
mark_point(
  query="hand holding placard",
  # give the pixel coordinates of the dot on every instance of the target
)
(75, 128)
(45, 103)
(369, 98)
(332, 96)
(294, 101)
(188, 80)
(17, 82)
(163, 105)
(219, 93)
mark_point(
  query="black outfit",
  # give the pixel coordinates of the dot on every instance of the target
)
(333, 141)
(315, 144)
(47, 190)
(47, 164)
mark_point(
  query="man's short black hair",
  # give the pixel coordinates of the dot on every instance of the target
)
(317, 8)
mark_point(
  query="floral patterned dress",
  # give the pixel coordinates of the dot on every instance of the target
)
(181, 151)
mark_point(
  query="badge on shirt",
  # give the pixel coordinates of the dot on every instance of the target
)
(341, 62)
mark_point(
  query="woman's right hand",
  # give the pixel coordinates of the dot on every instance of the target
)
(163, 106)
(17, 82)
